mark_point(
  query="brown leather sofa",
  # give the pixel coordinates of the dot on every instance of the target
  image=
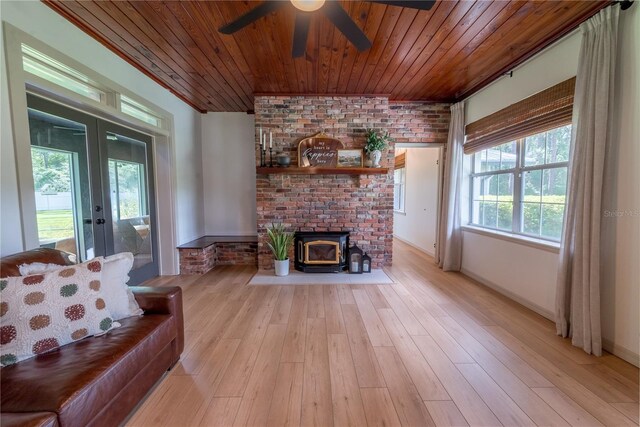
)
(96, 381)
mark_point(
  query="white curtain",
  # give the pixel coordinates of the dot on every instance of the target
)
(578, 292)
(449, 248)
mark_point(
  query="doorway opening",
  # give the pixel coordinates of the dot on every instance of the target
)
(94, 186)
(417, 177)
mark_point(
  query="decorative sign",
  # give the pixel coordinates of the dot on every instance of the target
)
(319, 151)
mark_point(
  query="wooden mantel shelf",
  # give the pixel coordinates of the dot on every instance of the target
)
(321, 171)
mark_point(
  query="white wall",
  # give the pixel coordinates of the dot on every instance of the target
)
(552, 66)
(47, 26)
(229, 173)
(528, 274)
(523, 273)
(417, 226)
(621, 231)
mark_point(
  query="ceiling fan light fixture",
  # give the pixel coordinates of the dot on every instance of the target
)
(308, 5)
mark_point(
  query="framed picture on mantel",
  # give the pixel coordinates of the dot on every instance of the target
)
(350, 158)
(319, 151)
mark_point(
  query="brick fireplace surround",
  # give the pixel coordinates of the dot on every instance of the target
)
(362, 205)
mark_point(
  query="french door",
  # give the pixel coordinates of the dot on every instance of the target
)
(94, 187)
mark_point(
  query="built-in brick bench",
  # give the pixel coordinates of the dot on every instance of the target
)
(201, 255)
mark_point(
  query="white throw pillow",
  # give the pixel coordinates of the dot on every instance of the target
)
(117, 294)
(115, 275)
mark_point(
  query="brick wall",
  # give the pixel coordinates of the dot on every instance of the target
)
(244, 253)
(202, 260)
(419, 122)
(362, 205)
(197, 261)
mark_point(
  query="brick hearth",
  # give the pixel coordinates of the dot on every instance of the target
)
(202, 255)
(362, 205)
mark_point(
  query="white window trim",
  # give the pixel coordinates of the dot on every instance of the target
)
(21, 82)
(547, 245)
(109, 106)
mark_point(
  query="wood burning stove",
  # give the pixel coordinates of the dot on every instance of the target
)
(321, 252)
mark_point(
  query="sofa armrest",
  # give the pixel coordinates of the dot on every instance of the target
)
(28, 419)
(156, 300)
(161, 300)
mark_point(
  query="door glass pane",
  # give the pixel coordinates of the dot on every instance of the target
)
(61, 181)
(126, 181)
(128, 188)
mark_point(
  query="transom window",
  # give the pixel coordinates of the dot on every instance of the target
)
(46, 68)
(139, 111)
(49, 69)
(520, 187)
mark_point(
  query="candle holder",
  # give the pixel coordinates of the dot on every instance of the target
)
(270, 157)
(263, 156)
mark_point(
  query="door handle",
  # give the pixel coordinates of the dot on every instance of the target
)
(100, 221)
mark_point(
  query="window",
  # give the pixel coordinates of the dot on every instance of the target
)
(520, 186)
(53, 71)
(399, 179)
(135, 109)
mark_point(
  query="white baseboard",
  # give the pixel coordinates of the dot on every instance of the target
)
(430, 253)
(489, 284)
(622, 352)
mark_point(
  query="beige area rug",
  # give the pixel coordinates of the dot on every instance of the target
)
(376, 277)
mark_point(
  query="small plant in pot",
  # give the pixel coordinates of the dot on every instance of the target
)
(280, 242)
(375, 143)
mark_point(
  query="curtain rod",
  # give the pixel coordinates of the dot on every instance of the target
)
(624, 4)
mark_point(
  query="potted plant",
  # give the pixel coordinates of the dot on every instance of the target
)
(375, 143)
(280, 241)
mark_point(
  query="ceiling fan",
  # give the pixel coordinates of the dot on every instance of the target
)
(330, 8)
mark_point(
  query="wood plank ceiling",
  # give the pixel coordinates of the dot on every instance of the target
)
(444, 54)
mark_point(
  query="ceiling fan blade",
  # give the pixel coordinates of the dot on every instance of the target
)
(345, 24)
(300, 34)
(412, 4)
(254, 14)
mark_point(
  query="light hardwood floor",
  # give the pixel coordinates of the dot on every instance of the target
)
(433, 349)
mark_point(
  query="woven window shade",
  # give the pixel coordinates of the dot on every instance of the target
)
(543, 111)
(401, 160)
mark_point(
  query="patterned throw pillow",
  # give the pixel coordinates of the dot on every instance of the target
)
(115, 274)
(44, 311)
